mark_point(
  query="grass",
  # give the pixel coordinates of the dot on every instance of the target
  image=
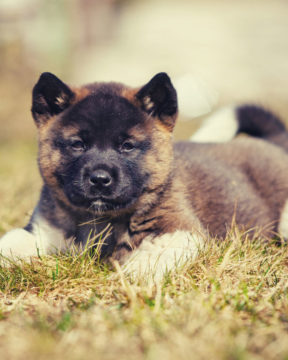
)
(231, 303)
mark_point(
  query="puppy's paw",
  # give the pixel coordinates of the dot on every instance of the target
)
(157, 256)
(18, 244)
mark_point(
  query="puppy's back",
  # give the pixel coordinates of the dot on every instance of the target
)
(245, 179)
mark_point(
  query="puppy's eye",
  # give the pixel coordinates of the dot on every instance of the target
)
(77, 145)
(127, 146)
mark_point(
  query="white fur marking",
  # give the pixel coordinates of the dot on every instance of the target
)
(219, 127)
(283, 224)
(156, 256)
(49, 238)
(44, 239)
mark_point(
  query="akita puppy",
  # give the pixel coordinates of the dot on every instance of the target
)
(109, 167)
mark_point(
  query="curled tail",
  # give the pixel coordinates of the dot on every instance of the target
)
(252, 120)
(258, 122)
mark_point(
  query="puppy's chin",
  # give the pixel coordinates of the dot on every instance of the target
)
(100, 207)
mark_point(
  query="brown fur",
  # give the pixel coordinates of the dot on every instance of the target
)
(130, 94)
(204, 196)
(80, 93)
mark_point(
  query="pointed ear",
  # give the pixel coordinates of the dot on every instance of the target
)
(50, 96)
(159, 98)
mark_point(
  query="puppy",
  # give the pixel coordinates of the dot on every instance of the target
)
(113, 178)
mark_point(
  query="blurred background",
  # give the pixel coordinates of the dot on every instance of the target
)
(231, 51)
(218, 51)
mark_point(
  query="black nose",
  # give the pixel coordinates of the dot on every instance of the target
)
(100, 178)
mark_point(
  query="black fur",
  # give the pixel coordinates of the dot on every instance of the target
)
(258, 122)
(162, 95)
(46, 94)
(29, 227)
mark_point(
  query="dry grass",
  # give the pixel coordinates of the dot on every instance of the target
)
(231, 303)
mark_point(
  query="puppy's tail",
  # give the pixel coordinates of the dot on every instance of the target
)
(252, 120)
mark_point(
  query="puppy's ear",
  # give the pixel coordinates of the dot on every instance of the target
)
(50, 96)
(159, 99)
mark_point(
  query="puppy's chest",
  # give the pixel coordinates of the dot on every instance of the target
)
(108, 236)
(123, 234)
(95, 234)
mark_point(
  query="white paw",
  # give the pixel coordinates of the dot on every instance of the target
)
(18, 243)
(157, 256)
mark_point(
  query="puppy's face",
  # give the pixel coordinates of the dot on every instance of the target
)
(99, 152)
(102, 146)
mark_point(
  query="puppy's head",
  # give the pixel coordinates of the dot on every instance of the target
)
(103, 145)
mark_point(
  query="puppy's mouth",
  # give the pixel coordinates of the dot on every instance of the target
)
(102, 205)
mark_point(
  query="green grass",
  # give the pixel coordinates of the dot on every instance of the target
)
(231, 303)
